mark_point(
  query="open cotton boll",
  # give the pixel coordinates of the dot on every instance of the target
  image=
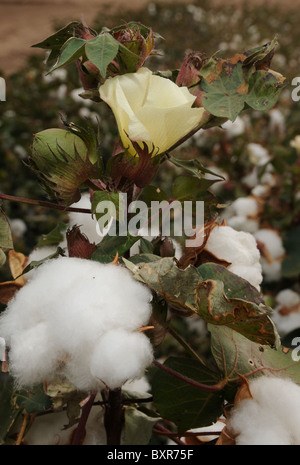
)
(64, 310)
(286, 323)
(271, 416)
(243, 223)
(245, 206)
(234, 128)
(287, 298)
(238, 248)
(119, 356)
(258, 155)
(272, 241)
(286, 314)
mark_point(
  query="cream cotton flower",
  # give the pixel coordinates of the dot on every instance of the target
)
(150, 109)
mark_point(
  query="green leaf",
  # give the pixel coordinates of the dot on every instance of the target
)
(225, 95)
(236, 355)
(104, 196)
(57, 40)
(214, 293)
(34, 401)
(6, 241)
(146, 246)
(110, 246)
(129, 60)
(71, 50)
(190, 188)
(37, 263)
(138, 427)
(2, 258)
(187, 406)
(193, 166)
(152, 193)
(101, 51)
(224, 298)
(9, 410)
(245, 79)
(290, 266)
(263, 90)
(54, 237)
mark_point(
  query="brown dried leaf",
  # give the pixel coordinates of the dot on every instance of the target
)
(8, 290)
(17, 264)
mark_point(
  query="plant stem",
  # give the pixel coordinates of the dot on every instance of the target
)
(43, 203)
(80, 431)
(113, 417)
(191, 382)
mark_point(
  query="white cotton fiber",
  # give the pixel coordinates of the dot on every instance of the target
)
(57, 319)
(271, 417)
(119, 356)
(238, 248)
(86, 222)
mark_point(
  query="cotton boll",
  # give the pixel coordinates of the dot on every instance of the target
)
(277, 121)
(271, 271)
(252, 274)
(287, 298)
(121, 355)
(286, 323)
(251, 179)
(271, 416)
(234, 128)
(253, 429)
(18, 227)
(260, 190)
(245, 206)
(243, 223)
(258, 155)
(63, 311)
(272, 241)
(239, 249)
(286, 314)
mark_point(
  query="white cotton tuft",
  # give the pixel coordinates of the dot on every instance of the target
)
(119, 356)
(238, 248)
(87, 223)
(270, 417)
(57, 319)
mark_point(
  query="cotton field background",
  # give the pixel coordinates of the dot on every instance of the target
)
(258, 157)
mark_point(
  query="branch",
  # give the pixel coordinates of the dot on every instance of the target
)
(80, 431)
(43, 203)
(191, 382)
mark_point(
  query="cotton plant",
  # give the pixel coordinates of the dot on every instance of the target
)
(93, 308)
